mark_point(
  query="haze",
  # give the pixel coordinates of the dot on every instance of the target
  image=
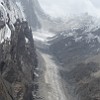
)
(59, 8)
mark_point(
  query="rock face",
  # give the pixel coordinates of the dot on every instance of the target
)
(18, 59)
(77, 49)
(86, 85)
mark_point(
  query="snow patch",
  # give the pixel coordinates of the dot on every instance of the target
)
(5, 34)
(91, 36)
(78, 39)
(26, 39)
(36, 74)
(42, 35)
(8, 32)
(98, 38)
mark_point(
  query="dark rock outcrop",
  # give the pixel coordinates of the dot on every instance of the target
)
(18, 61)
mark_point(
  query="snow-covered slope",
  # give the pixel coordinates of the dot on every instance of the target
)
(79, 39)
(76, 46)
(9, 12)
(79, 27)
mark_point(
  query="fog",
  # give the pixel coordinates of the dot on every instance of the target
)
(63, 8)
(96, 3)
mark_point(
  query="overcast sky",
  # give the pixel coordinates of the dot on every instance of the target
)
(96, 3)
(59, 8)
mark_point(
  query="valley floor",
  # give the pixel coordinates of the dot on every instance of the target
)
(50, 85)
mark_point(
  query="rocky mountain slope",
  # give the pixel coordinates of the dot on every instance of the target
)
(79, 40)
(78, 48)
(74, 42)
(18, 59)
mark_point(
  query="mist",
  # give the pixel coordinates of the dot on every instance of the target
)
(63, 8)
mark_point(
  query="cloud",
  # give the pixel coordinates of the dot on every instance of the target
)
(96, 3)
(59, 8)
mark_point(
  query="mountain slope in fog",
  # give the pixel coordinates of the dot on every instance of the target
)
(67, 8)
(74, 47)
(30, 12)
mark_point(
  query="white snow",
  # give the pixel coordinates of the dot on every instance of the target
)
(91, 36)
(26, 39)
(78, 39)
(37, 75)
(3, 10)
(69, 34)
(42, 35)
(15, 11)
(5, 34)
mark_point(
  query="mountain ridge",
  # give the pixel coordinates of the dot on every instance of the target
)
(18, 58)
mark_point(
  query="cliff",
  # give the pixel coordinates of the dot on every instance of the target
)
(18, 59)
